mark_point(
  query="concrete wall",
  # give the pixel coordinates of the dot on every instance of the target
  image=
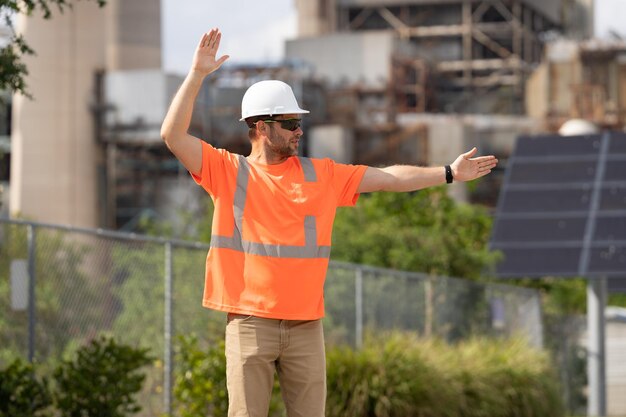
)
(315, 17)
(53, 161)
(54, 151)
(350, 58)
(536, 92)
(331, 141)
(140, 96)
(549, 89)
(450, 135)
(133, 34)
(489, 133)
(578, 19)
(616, 367)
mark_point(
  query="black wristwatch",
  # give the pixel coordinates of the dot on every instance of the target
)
(449, 177)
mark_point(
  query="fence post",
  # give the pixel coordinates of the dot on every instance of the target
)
(596, 354)
(429, 306)
(32, 318)
(168, 331)
(358, 289)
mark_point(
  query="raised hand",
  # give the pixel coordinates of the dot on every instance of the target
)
(204, 61)
(467, 168)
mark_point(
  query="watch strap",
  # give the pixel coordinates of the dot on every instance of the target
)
(449, 177)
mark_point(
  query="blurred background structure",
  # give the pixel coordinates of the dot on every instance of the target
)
(409, 81)
(58, 162)
(402, 81)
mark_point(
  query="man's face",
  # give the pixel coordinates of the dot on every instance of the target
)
(284, 142)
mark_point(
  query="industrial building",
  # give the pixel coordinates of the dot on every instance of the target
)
(580, 80)
(459, 56)
(57, 171)
(403, 81)
(418, 82)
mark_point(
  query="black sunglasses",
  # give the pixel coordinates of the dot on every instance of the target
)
(289, 124)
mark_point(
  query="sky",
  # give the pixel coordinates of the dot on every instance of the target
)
(252, 31)
(255, 31)
(610, 15)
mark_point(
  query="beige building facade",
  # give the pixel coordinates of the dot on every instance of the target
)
(55, 155)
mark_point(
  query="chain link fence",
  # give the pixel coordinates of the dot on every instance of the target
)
(61, 287)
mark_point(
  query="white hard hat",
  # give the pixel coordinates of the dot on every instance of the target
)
(269, 97)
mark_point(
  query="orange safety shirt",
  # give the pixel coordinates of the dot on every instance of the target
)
(271, 235)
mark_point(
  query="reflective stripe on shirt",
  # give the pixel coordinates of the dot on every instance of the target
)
(236, 242)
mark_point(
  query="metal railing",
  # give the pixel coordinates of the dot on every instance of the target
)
(62, 286)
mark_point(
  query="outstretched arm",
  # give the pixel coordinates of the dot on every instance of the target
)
(411, 178)
(187, 148)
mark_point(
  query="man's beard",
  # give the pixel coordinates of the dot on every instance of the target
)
(282, 149)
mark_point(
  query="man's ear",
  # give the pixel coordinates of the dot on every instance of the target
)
(261, 128)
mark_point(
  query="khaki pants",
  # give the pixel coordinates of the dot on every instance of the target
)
(258, 347)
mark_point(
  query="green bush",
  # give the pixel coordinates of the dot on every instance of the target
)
(418, 236)
(101, 381)
(399, 375)
(200, 386)
(392, 379)
(406, 376)
(21, 393)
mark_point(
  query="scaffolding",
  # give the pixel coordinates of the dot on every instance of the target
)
(470, 48)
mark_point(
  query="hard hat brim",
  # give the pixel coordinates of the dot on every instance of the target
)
(298, 111)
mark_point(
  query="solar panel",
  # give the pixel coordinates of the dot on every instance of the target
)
(545, 146)
(617, 285)
(563, 172)
(562, 208)
(541, 229)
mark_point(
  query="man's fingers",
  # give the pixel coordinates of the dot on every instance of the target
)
(214, 39)
(203, 40)
(211, 40)
(222, 60)
(207, 38)
(485, 168)
(485, 158)
(471, 153)
(486, 162)
(216, 42)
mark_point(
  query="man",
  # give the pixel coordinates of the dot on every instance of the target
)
(271, 235)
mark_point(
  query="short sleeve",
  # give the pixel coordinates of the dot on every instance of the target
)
(213, 165)
(346, 180)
